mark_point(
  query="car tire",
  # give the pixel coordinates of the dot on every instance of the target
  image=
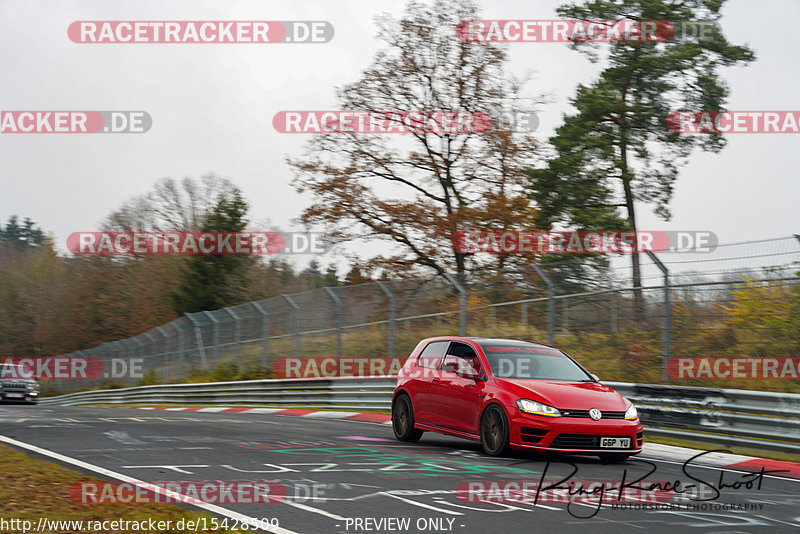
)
(613, 458)
(403, 420)
(494, 431)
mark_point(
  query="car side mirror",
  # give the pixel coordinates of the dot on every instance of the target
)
(470, 374)
(596, 378)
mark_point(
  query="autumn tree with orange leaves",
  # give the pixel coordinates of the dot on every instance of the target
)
(406, 195)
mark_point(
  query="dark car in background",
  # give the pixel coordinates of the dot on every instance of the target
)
(512, 394)
(17, 384)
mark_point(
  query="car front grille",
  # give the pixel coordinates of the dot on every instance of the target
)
(585, 414)
(581, 441)
(14, 385)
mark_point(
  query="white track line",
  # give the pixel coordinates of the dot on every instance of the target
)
(420, 504)
(218, 510)
(315, 510)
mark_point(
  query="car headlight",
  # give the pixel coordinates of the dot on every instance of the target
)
(30, 386)
(537, 408)
(631, 413)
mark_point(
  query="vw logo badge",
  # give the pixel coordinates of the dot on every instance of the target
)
(595, 414)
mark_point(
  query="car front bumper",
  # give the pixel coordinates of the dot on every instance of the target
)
(573, 435)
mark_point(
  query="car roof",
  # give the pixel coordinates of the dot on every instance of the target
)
(480, 340)
(505, 341)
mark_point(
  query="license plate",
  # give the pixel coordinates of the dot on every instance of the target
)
(15, 395)
(615, 443)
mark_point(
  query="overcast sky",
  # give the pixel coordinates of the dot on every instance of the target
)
(212, 108)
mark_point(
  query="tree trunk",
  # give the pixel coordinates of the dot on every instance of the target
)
(638, 298)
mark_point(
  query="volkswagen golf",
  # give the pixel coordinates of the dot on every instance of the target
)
(512, 394)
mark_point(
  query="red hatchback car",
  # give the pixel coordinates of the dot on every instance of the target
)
(506, 393)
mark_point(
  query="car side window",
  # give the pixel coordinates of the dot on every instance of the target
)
(461, 357)
(431, 355)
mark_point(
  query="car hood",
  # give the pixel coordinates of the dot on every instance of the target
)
(565, 395)
(25, 380)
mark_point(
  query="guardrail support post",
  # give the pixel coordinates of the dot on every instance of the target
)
(462, 309)
(297, 310)
(264, 334)
(551, 304)
(237, 332)
(392, 315)
(338, 302)
(666, 333)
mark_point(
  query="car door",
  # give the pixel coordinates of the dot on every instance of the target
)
(456, 400)
(427, 372)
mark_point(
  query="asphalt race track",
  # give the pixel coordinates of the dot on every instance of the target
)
(365, 481)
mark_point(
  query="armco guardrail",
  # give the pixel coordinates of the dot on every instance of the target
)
(726, 417)
(756, 420)
(345, 392)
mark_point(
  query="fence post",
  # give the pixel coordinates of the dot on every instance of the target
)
(152, 341)
(614, 320)
(392, 316)
(141, 351)
(264, 334)
(666, 333)
(215, 338)
(164, 370)
(551, 304)
(116, 353)
(237, 333)
(297, 310)
(338, 302)
(198, 337)
(181, 365)
(130, 351)
(462, 309)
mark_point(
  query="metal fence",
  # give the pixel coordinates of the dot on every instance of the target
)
(742, 300)
(750, 420)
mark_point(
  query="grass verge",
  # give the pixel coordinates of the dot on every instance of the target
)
(33, 489)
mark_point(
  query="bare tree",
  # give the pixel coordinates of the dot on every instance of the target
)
(170, 206)
(413, 192)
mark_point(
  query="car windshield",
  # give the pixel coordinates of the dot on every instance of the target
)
(528, 360)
